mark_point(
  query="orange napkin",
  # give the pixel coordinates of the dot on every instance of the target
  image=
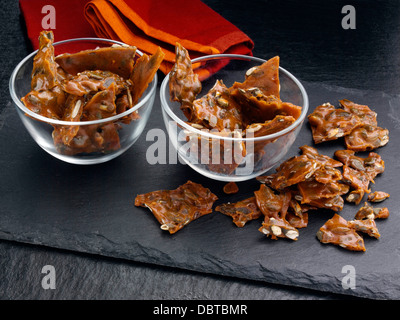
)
(148, 24)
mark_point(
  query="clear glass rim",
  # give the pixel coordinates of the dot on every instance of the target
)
(165, 105)
(36, 116)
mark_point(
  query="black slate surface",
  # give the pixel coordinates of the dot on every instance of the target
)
(308, 37)
(90, 209)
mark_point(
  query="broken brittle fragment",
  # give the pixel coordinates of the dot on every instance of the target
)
(91, 81)
(293, 171)
(378, 196)
(275, 208)
(184, 84)
(359, 181)
(278, 228)
(312, 190)
(367, 226)
(231, 187)
(217, 109)
(116, 59)
(264, 77)
(220, 154)
(90, 138)
(176, 208)
(241, 211)
(356, 123)
(143, 73)
(44, 72)
(330, 123)
(313, 153)
(364, 113)
(371, 165)
(366, 138)
(369, 212)
(257, 107)
(338, 232)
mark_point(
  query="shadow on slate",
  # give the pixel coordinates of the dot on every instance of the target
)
(91, 209)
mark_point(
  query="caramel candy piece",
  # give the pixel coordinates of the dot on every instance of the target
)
(367, 226)
(314, 190)
(117, 59)
(278, 228)
(184, 84)
(275, 207)
(44, 72)
(269, 127)
(326, 175)
(231, 187)
(270, 204)
(359, 181)
(369, 212)
(90, 138)
(264, 77)
(241, 211)
(335, 203)
(313, 153)
(92, 81)
(297, 215)
(73, 112)
(293, 171)
(218, 155)
(257, 107)
(217, 109)
(338, 232)
(176, 208)
(328, 123)
(143, 73)
(101, 105)
(364, 113)
(297, 221)
(371, 165)
(366, 138)
(47, 103)
(378, 196)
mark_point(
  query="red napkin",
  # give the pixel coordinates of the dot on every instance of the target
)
(70, 20)
(146, 24)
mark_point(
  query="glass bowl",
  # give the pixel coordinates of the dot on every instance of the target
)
(116, 134)
(222, 156)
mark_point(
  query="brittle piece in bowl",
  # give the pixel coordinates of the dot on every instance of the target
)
(116, 59)
(257, 107)
(217, 109)
(265, 77)
(184, 84)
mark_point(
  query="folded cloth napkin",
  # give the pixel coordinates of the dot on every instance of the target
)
(148, 24)
(69, 19)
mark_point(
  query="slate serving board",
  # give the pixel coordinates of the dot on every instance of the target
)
(91, 209)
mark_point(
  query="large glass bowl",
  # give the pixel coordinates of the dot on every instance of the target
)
(193, 144)
(122, 133)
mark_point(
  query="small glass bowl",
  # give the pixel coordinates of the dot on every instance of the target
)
(194, 144)
(122, 133)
